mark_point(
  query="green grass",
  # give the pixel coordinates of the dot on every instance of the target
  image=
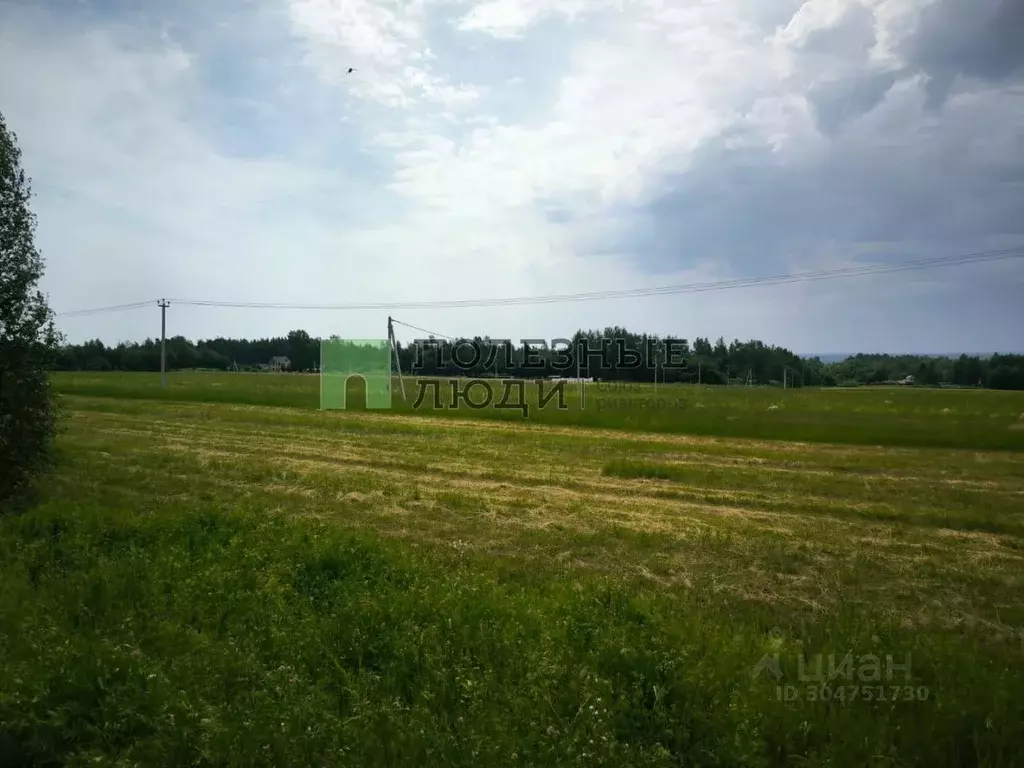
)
(188, 637)
(244, 584)
(989, 420)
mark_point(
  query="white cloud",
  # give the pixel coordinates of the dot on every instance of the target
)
(480, 149)
(385, 42)
(512, 18)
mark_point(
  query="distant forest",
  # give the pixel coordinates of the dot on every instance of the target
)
(738, 362)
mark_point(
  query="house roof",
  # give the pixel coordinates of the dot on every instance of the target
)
(279, 360)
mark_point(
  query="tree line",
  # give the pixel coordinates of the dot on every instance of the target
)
(697, 361)
(995, 372)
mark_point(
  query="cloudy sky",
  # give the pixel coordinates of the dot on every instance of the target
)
(219, 150)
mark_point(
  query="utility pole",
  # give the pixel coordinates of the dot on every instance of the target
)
(394, 348)
(656, 355)
(580, 342)
(163, 304)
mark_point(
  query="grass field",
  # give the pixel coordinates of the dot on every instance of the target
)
(989, 420)
(222, 575)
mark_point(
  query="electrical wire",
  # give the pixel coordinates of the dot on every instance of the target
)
(828, 274)
(424, 330)
(640, 292)
(101, 310)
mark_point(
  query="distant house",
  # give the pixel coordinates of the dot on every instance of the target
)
(279, 364)
(907, 380)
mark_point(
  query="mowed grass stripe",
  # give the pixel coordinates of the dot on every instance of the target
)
(841, 458)
(1007, 467)
(939, 507)
(484, 453)
(764, 486)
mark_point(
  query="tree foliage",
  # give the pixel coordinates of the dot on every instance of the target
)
(28, 338)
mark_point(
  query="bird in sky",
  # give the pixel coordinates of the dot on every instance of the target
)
(351, 70)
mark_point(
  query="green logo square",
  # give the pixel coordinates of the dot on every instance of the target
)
(368, 359)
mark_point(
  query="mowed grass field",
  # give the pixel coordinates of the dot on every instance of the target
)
(222, 575)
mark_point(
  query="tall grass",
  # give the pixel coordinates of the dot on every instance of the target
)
(234, 636)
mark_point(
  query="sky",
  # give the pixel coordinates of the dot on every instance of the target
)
(219, 150)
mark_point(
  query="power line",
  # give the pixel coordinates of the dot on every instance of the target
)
(640, 292)
(829, 274)
(424, 330)
(101, 310)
